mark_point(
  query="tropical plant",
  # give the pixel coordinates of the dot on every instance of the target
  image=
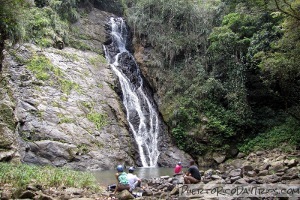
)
(10, 23)
(176, 28)
(67, 9)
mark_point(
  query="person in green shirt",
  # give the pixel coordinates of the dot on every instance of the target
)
(121, 177)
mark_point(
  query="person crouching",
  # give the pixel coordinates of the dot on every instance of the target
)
(133, 180)
(193, 175)
(122, 179)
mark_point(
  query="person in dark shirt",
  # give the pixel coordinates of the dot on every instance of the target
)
(193, 175)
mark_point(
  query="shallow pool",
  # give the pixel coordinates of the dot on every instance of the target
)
(107, 177)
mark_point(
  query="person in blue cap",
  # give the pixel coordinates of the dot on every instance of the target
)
(122, 179)
(133, 180)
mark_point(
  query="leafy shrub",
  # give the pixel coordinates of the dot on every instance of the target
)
(44, 27)
(281, 136)
(175, 28)
(67, 9)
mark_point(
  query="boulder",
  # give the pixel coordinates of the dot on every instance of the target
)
(147, 192)
(263, 173)
(247, 168)
(175, 191)
(234, 178)
(215, 177)
(260, 153)
(219, 157)
(124, 195)
(276, 166)
(241, 155)
(45, 197)
(291, 163)
(250, 173)
(27, 195)
(271, 179)
(235, 173)
(241, 181)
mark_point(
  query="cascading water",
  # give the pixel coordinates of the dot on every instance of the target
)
(142, 114)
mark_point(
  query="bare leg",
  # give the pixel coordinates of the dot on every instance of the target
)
(190, 180)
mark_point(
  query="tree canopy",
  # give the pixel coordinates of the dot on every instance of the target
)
(231, 69)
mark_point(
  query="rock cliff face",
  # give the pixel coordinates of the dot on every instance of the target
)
(60, 107)
(65, 109)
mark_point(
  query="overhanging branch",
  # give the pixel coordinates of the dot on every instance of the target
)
(285, 12)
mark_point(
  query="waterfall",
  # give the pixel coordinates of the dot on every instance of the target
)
(142, 114)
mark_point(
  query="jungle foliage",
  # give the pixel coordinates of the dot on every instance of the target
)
(43, 22)
(10, 27)
(231, 70)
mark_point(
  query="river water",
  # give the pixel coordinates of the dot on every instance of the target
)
(107, 177)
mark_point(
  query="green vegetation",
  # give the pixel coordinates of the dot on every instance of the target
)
(7, 116)
(41, 67)
(64, 98)
(67, 9)
(97, 59)
(64, 119)
(88, 105)
(43, 70)
(285, 135)
(44, 27)
(79, 44)
(69, 56)
(10, 23)
(83, 148)
(230, 70)
(67, 86)
(99, 119)
(21, 175)
(99, 144)
(175, 28)
(46, 24)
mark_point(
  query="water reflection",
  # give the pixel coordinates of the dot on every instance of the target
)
(107, 177)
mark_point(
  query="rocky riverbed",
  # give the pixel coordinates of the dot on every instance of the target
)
(274, 168)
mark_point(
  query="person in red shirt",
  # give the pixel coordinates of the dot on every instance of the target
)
(178, 168)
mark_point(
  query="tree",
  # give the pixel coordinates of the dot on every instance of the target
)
(10, 27)
(67, 9)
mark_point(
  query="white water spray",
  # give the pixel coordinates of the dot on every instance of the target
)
(141, 113)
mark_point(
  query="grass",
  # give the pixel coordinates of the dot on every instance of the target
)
(64, 119)
(67, 86)
(96, 60)
(40, 66)
(21, 175)
(83, 148)
(99, 119)
(45, 71)
(69, 56)
(7, 116)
